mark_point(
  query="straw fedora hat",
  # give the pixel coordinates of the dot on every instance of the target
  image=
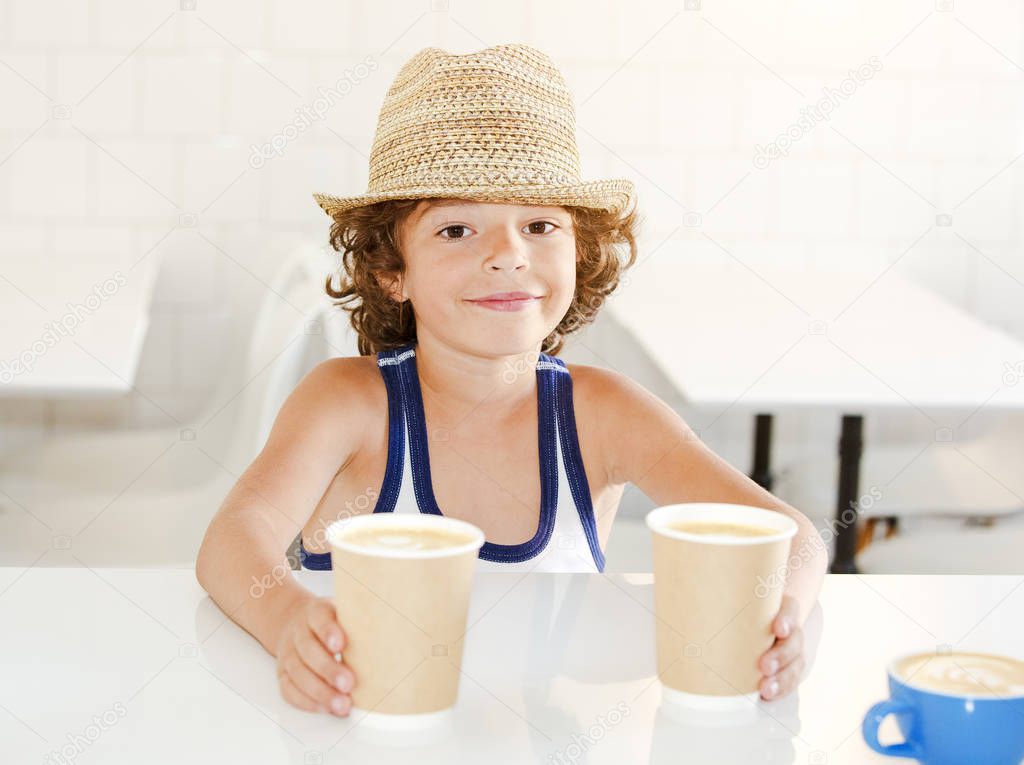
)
(495, 125)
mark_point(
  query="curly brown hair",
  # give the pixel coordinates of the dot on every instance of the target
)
(367, 238)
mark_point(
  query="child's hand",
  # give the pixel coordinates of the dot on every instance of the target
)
(783, 664)
(309, 676)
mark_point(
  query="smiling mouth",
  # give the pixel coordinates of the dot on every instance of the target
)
(506, 302)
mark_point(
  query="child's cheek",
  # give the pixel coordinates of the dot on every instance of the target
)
(560, 302)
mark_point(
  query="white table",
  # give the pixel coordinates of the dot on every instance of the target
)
(765, 339)
(103, 303)
(547, 658)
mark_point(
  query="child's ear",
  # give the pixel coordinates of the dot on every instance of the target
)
(391, 283)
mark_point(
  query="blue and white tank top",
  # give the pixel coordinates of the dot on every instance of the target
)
(566, 539)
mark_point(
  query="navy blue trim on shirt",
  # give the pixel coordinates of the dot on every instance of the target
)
(554, 399)
(314, 561)
(574, 470)
(388, 363)
(390, 367)
(423, 486)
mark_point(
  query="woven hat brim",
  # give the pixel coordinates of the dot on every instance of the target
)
(615, 195)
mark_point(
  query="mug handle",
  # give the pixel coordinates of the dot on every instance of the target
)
(872, 721)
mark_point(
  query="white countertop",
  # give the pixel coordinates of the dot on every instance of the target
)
(548, 657)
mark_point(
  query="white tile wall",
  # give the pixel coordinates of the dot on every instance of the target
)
(133, 178)
(216, 181)
(816, 198)
(51, 160)
(166, 105)
(25, 92)
(263, 88)
(184, 92)
(219, 26)
(33, 24)
(615, 106)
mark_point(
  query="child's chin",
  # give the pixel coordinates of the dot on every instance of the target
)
(511, 343)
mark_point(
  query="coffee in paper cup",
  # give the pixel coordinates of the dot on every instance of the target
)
(402, 586)
(718, 584)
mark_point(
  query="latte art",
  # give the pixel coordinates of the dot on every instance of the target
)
(974, 674)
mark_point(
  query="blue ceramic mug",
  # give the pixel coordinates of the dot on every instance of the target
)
(953, 709)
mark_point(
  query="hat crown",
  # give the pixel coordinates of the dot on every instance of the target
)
(501, 116)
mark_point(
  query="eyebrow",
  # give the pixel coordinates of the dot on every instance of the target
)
(432, 204)
(435, 204)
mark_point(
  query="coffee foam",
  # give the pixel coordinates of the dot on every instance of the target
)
(404, 539)
(972, 674)
(665, 521)
(418, 536)
(719, 528)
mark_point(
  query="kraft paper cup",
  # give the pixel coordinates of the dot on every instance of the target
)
(404, 616)
(715, 599)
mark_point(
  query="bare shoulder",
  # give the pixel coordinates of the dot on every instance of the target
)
(627, 420)
(360, 372)
(598, 395)
(347, 385)
(332, 406)
(608, 388)
(615, 395)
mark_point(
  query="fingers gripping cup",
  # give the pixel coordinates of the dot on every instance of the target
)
(402, 586)
(953, 708)
(719, 571)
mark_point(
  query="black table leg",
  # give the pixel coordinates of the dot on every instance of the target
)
(762, 473)
(847, 505)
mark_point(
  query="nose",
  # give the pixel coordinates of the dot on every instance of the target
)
(506, 251)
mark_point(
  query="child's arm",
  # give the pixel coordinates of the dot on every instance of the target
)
(241, 562)
(648, 444)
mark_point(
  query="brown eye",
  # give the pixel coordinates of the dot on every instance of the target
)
(458, 228)
(541, 223)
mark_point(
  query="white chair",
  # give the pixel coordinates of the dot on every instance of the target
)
(144, 498)
(326, 329)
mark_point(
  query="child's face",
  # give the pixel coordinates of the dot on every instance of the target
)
(457, 252)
